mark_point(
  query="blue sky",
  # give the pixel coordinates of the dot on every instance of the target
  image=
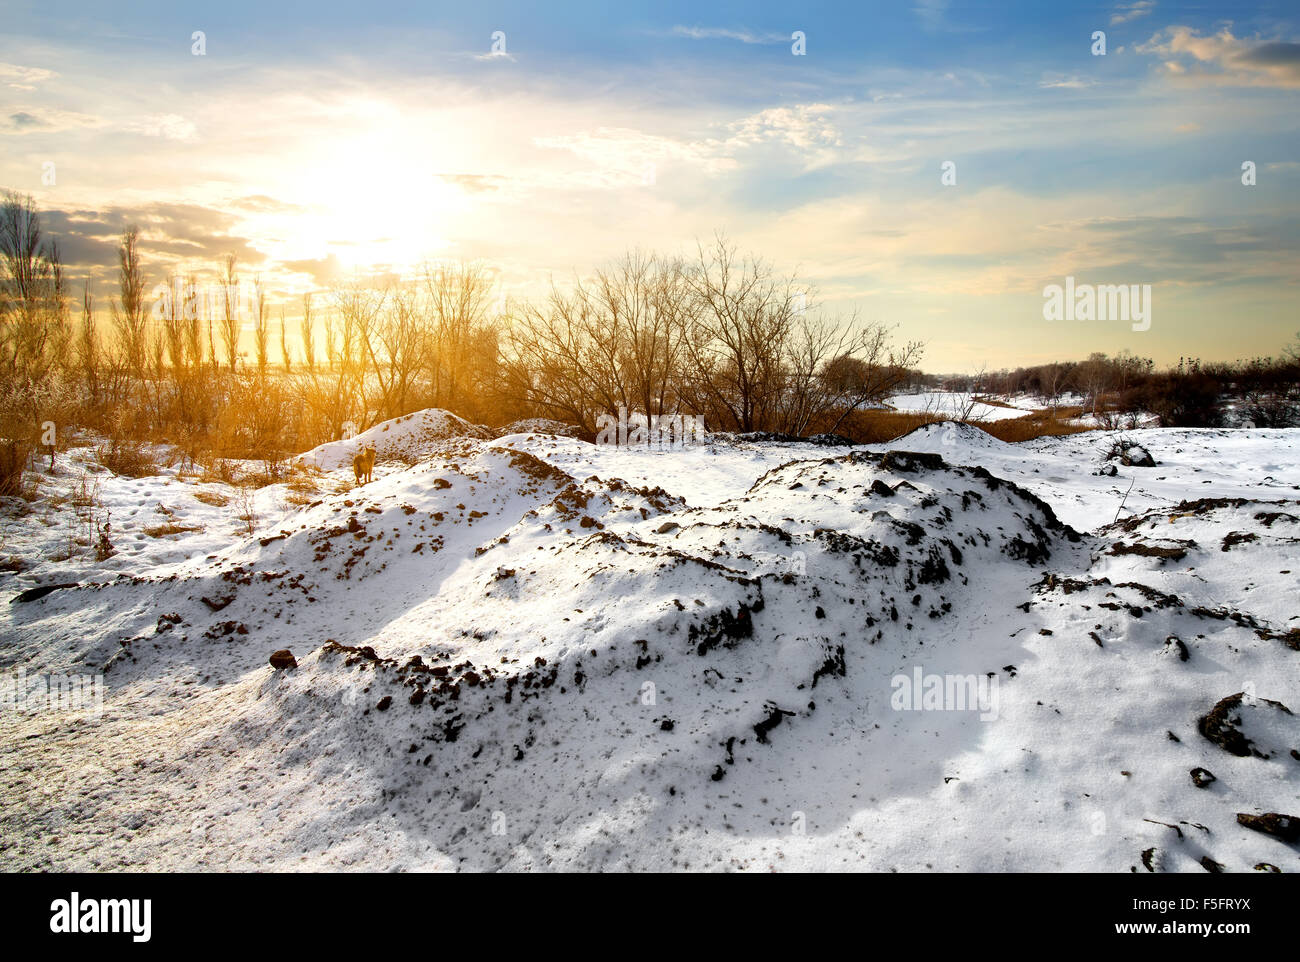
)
(321, 139)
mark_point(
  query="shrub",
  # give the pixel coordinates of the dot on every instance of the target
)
(1184, 399)
(13, 460)
(129, 459)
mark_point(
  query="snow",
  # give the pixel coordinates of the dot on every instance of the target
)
(951, 404)
(540, 426)
(404, 438)
(536, 653)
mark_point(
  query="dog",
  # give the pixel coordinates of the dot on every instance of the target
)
(363, 464)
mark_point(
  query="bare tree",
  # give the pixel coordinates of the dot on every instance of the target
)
(404, 341)
(34, 324)
(230, 317)
(457, 296)
(284, 343)
(308, 335)
(129, 317)
(737, 335)
(1094, 377)
(1292, 351)
(865, 368)
(1054, 376)
(359, 308)
(88, 347)
(261, 329)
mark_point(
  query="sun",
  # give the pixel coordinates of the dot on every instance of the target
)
(375, 201)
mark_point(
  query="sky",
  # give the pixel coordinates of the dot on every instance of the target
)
(930, 165)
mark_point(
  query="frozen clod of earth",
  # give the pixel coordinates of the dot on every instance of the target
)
(283, 658)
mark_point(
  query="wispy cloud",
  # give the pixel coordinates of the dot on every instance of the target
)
(933, 15)
(724, 33)
(474, 183)
(24, 78)
(166, 126)
(931, 12)
(624, 156)
(1066, 83)
(1131, 11)
(31, 120)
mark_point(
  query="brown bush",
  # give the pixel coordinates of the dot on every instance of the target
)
(881, 427)
(1037, 425)
(13, 460)
(127, 458)
(877, 427)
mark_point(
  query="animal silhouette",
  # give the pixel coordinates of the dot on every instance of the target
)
(363, 464)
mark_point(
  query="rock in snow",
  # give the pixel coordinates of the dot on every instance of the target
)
(283, 658)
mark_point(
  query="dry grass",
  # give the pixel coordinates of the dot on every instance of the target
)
(171, 527)
(13, 460)
(219, 471)
(303, 484)
(995, 403)
(879, 427)
(214, 498)
(246, 511)
(1040, 424)
(127, 459)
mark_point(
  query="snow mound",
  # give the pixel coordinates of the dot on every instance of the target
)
(492, 634)
(407, 438)
(1252, 727)
(539, 426)
(538, 653)
(1194, 550)
(947, 438)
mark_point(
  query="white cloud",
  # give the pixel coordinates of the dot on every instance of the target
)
(31, 120)
(1125, 12)
(723, 33)
(1066, 83)
(1225, 60)
(804, 125)
(624, 156)
(24, 78)
(166, 126)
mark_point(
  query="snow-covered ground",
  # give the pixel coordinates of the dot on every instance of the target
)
(536, 653)
(953, 404)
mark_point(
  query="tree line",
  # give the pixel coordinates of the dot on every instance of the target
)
(719, 335)
(1262, 391)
